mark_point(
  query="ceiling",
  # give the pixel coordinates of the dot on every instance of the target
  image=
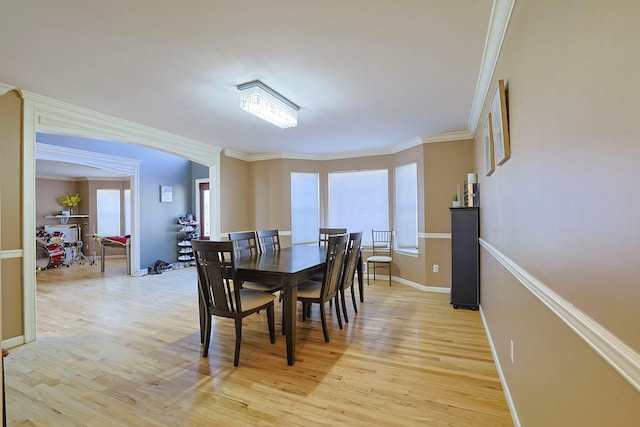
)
(367, 74)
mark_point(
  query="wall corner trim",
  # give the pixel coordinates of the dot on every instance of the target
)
(618, 354)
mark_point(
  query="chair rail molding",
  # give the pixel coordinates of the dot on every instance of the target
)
(618, 354)
(434, 235)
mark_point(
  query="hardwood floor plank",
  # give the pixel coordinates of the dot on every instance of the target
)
(120, 350)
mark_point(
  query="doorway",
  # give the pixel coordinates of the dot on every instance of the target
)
(203, 204)
(41, 114)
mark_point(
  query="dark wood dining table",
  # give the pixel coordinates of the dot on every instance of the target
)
(287, 267)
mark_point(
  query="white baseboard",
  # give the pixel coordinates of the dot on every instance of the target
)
(436, 289)
(505, 385)
(13, 342)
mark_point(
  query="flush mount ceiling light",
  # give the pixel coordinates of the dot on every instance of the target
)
(263, 102)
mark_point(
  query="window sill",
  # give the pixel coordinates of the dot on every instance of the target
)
(408, 252)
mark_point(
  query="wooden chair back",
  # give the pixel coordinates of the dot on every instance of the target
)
(245, 243)
(325, 233)
(216, 276)
(336, 247)
(351, 259)
(268, 240)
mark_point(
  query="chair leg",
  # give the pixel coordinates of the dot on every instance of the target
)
(344, 305)
(304, 311)
(353, 298)
(338, 312)
(368, 273)
(309, 310)
(323, 317)
(389, 274)
(207, 335)
(272, 323)
(236, 357)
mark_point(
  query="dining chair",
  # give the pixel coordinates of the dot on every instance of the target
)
(215, 262)
(349, 272)
(268, 240)
(310, 292)
(382, 245)
(245, 243)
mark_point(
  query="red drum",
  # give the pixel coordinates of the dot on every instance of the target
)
(49, 256)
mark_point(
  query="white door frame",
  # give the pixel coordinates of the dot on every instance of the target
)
(42, 114)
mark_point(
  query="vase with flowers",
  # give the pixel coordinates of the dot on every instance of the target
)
(69, 201)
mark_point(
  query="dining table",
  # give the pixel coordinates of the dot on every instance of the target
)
(287, 267)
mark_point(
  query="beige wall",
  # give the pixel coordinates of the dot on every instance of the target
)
(11, 213)
(265, 185)
(236, 196)
(563, 207)
(47, 193)
(446, 164)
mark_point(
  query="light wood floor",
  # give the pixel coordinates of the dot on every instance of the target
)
(114, 350)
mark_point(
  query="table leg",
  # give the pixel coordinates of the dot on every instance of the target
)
(128, 256)
(289, 306)
(102, 259)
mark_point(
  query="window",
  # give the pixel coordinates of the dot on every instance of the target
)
(108, 207)
(127, 212)
(359, 201)
(407, 207)
(305, 207)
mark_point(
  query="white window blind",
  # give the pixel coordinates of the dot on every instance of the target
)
(406, 208)
(359, 201)
(305, 207)
(108, 207)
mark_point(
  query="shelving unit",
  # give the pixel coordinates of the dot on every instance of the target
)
(465, 257)
(65, 218)
(186, 230)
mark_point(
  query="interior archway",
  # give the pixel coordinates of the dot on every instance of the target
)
(41, 114)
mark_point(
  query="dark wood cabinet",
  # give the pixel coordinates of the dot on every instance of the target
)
(465, 257)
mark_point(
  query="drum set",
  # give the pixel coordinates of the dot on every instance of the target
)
(49, 250)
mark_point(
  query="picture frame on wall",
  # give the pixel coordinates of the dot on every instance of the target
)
(489, 155)
(500, 125)
(166, 194)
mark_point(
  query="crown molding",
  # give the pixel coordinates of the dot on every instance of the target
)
(5, 88)
(447, 137)
(58, 117)
(498, 24)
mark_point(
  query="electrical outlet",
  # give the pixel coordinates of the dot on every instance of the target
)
(513, 348)
(435, 268)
